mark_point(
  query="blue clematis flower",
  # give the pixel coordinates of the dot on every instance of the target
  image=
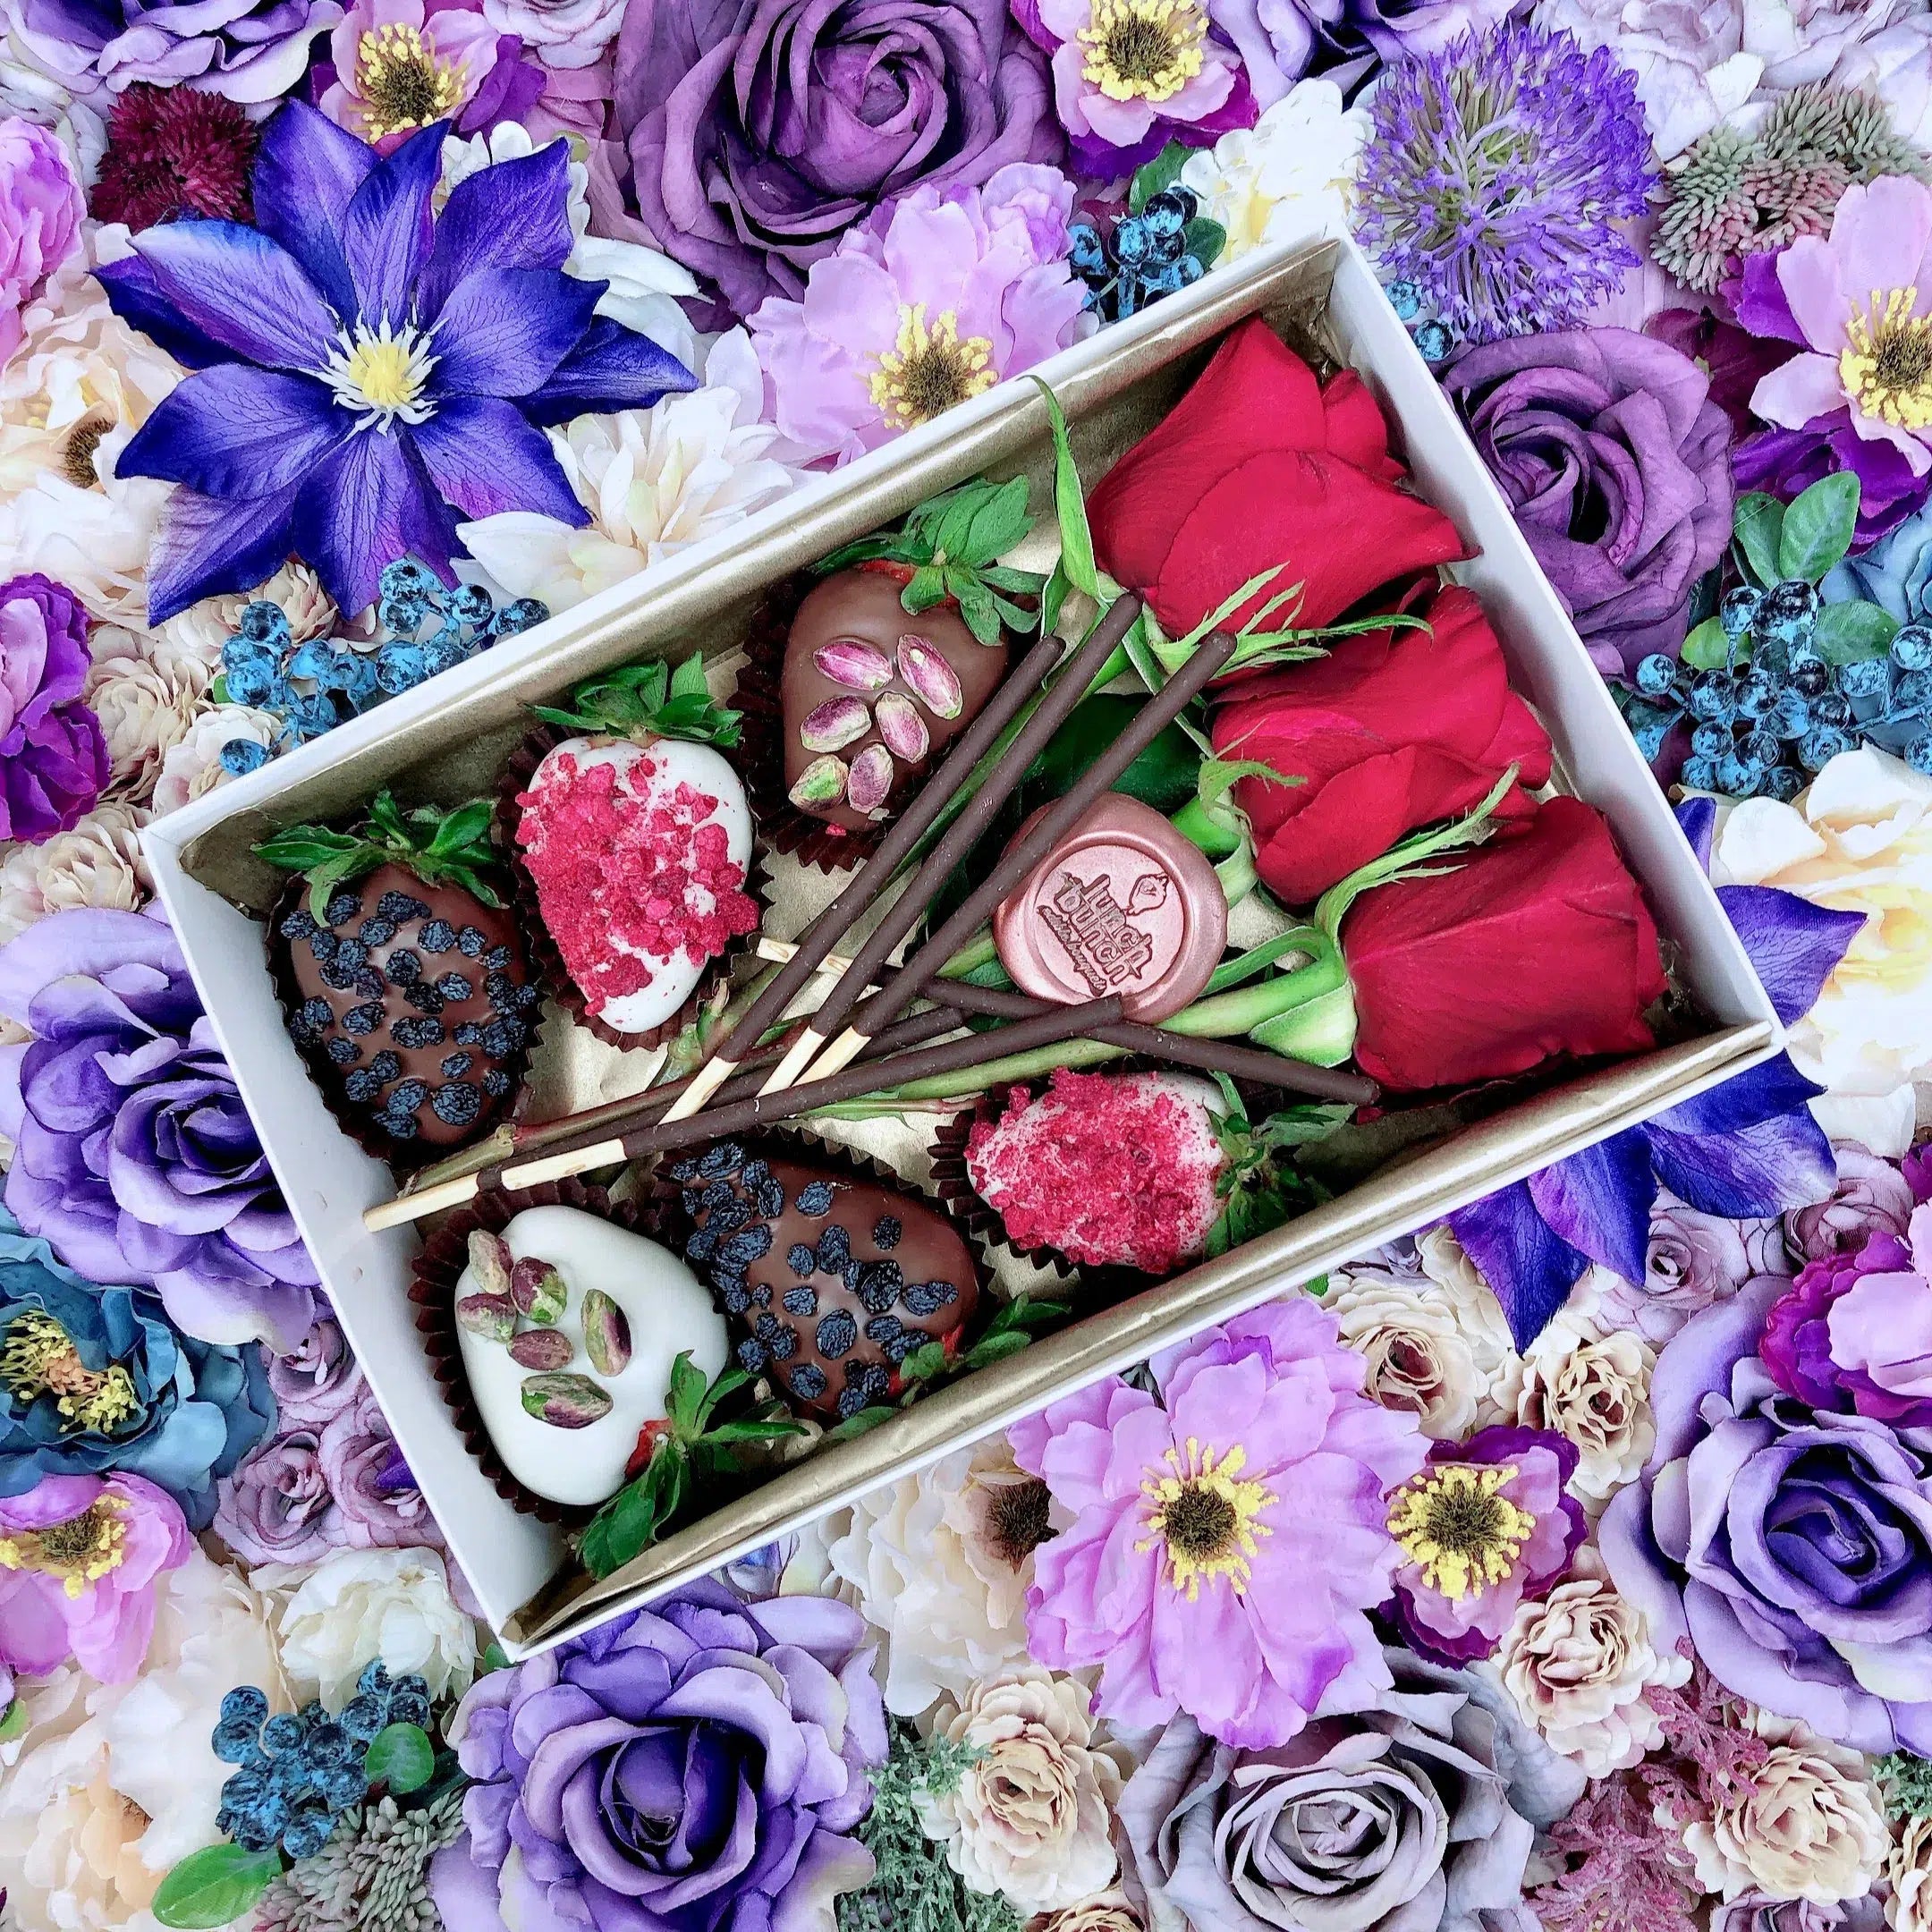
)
(367, 373)
(95, 1378)
(1746, 1149)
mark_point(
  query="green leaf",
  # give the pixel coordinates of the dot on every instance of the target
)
(1707, 649)
(1853, 630)
(1204, 238)
(467, 825)
(301, 847)
(1758, 524)
(14, 1724)
(865, 1420)
(927, 589)
(925, 1362)
(1152, 177)
(219, 690)
(688, 679)
(1070, 503)
(495, 1658)
(213, 1885)
(992, 1348)
(1818, 527)
(401, 1757)
(686, 1394)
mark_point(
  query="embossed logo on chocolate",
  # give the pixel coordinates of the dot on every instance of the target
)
(1100, 935)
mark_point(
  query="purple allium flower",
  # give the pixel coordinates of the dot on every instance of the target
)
(134, 1158)
(53, 755)
(1227, 1540)
(42, 210)
(1496, 176)
(1485, 1524)
(929, 302)
(701, 1763)
(79, 1556)
(367, 374)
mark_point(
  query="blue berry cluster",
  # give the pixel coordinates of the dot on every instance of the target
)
(315, 686)
(298, 1773)
(1141, 258)
(1431, 335)
(1763, 728)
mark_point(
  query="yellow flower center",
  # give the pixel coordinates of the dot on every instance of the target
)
(1458, 1531)
(1142, 50)
(77, 453)
(1203, 1518)
(926, 370)
(38, 1357)
(80, 1551)
(400, 83)
(380, 373)
(1886, 363)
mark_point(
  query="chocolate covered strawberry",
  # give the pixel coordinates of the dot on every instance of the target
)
(413, 1002)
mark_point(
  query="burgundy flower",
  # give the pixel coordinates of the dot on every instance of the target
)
(174, 151)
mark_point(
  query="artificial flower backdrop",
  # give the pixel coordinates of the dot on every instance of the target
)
(1568, 1563)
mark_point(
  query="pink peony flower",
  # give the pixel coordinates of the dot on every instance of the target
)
(930, 301)
(79, 1556)
(398, 65)
(40, 214)
(1228, 1539)
(1862, 303)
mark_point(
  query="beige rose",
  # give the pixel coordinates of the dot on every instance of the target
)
(1810, 1826)
(1578, 1663)
(1594, 1388)
(97, 862)
(1908, 1873)
(193, 764)
(1111, 1911)
(1030, 1817)
(146, 708)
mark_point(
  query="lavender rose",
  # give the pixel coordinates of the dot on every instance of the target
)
(701, 1763)
(317, 1379)
(277, 1506)
(134, 1157)
(758, 131)
(52, 754)
(42, 210)
(1616, 463)
(1871, 1197)
(373, 1486)
(561, 33)
(1691, 1261)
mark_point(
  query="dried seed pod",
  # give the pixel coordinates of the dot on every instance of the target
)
(607, 1334)
(870, 781)
(493, 1317)
(541, 1348)
(490, 1261)
(834, 723)
(902, 728)
(821, 783)
(931, 679)
(538, 1290)
(564, 1401)
(855, 665)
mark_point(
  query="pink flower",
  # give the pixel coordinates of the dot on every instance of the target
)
(401, 64)
(1862, 302)
(40, 214)
(1226, 1547)
(79, 1556)
(929, 302)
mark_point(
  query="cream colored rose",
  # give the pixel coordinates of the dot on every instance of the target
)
(1594, 1388)
(197, 633)
(1908, 1873)
(146, 708)
(1030, 1817)
(1811, 1826)
(1111, 1911)
(1578, 1663)
(193, 764)
(97, 863)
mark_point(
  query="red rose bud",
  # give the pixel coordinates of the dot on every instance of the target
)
(1535, 945)
(1259, 466)
(1392, 729)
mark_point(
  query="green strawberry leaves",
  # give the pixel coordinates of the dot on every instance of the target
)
(672, 701)
(1260, 1187)
(435, 845)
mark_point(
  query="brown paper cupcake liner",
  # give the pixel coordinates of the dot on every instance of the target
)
(402, 1156)
(545, 957)
(433, 1290)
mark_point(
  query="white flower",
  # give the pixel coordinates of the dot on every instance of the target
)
(145, 708)
(1030, 1816)
(97, 862)
(1289, 176)
(193, 766)
(355, 1606)
(1111, 1911)
(32, 94)
(655, 481)
(1593, 1388)
(197, 633)
(1858, 839)
(92, 1816)
(644, 283)
(1809, 1824)
(1881, 45)
(1578, 1662)
(940, 1562)
(1908, 1873)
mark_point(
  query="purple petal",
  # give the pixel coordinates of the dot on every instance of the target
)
(504, 330)
(1530, 1269)
(1795, 946)
(1746, 1149)
(1696, 817)
(612, 367)
(236, 431)
(307, 171)
(133, 295)
(207, 547)
(387, 228)
(240, 290)
(371, 503)
(1600, 1201)
(512, 216)
(485, 458)
(1775, 1087)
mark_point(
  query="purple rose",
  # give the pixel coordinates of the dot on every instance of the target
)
(1871, 1197)
(1691, 1261)
(277, 1506)
(317, 1379)
(702, 1762)
(373, 1486)
(1758, 1911)
(758, 131)
(134, 1157)
(53, 756)
(1791, 1547)
(1616, 463)
(40, 214)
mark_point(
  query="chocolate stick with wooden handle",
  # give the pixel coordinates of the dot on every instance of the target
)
(1161, 709)
(1062, 694)
(870, 880)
